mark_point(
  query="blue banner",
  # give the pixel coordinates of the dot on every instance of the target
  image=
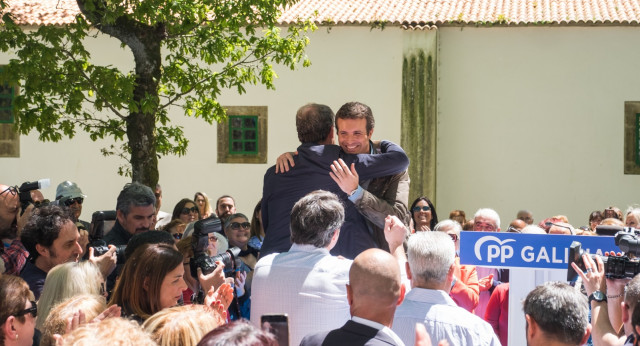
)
(517, 250)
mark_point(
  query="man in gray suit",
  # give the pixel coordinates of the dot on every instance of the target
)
(374, 293)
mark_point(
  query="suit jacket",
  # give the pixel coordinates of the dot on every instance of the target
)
(311, 172)
(351, 334)
(384, 196)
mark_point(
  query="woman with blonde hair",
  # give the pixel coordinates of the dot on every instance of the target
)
(632, 217)
(202, 201)
(111, 331)
(65, 281)
(182, 325)
(91, 305)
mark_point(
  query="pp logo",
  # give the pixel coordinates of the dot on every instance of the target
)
(498, 250)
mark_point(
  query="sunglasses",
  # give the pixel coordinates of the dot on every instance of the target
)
(424, 208)
(33, 310)
(178, 236)
(236, 225)
(70, 201)
(186, 211)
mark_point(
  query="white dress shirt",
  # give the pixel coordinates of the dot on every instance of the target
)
(308, 284)
(442, 318)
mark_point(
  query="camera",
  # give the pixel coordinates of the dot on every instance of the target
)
(24, 191)
(615, 267)
(101, 221)
(200, 243)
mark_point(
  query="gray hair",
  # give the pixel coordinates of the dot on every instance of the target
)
(315, 217)
(559, 310)
(632, 293)
(448, 224)
(135, 195)
(489, 214)
(430, 255)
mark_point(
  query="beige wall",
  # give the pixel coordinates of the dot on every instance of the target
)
(528, 118)
(347, 64)
(533, 118)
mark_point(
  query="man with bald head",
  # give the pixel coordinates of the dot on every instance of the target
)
(516, 226)
(374, 291)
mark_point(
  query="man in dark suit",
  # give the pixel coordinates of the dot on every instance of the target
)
(374, 291)
(314, 124)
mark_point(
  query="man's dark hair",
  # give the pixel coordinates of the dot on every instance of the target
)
(43, 227)
(315, 217)
(356, 110)
(314, 122)
(135, 195)
(221, 197)
(149, 237)
(559, 310)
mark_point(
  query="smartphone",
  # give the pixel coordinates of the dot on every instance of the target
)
(278, 325)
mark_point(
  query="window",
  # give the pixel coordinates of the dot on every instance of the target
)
(6, 103)
(242, 138)
(9, 138)
(244, 134)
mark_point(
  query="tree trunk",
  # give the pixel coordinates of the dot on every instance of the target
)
(141, 125)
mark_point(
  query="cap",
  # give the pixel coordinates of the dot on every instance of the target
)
(68, 189)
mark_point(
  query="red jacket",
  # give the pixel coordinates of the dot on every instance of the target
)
(465, 292)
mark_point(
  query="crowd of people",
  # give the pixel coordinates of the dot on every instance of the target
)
(333, 249)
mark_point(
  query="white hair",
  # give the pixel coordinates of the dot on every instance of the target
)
(65, 281)
(489, 214)
(448, 224)
(533, 229)
(431, 255)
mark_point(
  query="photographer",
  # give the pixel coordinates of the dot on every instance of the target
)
(135, 213)
(13, 253)
(72, 197)
(605, 298)
(238, 231)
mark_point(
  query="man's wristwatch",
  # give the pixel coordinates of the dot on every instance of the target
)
(598, 296)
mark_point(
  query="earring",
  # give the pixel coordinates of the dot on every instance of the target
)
(16, 336)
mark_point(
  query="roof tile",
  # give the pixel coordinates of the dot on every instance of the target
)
(400, 12)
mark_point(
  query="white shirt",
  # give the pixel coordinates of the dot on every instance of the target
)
(380, 327)
(442, 318)
(308, 284)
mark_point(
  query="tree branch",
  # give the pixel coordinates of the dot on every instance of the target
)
(93, 86)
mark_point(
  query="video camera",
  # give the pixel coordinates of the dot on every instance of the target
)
(200, 243)
(101, 221)
(615, 267)
(24, 191)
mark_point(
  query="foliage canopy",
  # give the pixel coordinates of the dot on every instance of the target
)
(185, 52)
